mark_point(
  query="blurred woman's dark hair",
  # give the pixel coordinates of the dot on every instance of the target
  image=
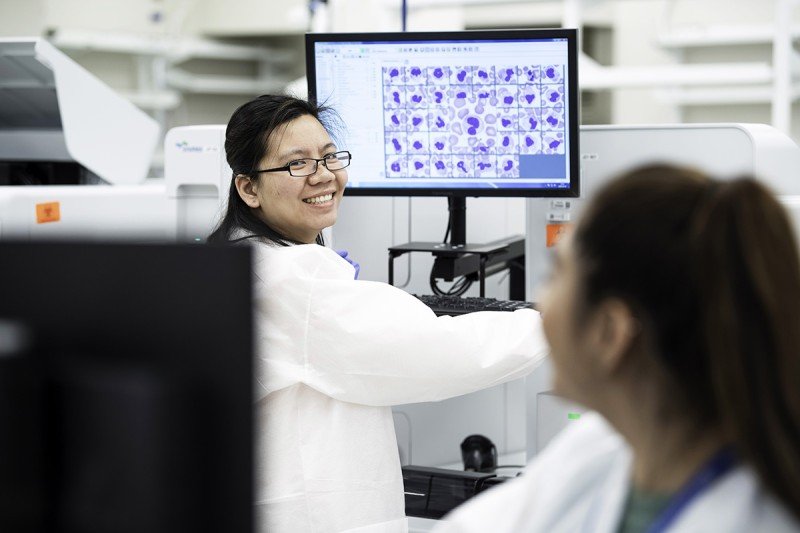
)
(711, 270)
(247, 140)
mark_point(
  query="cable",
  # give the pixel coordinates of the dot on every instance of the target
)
(458, 288)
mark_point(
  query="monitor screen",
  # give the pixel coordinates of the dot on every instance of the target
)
(125, 388)
(471, 113)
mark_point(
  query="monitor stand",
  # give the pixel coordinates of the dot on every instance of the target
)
(457, 258)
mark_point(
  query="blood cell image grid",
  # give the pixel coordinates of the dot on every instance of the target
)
(471, 121)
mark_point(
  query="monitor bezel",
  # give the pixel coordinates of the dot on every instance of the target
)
(573, 102)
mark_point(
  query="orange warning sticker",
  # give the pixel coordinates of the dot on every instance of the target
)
(555, 232)
(48, 212)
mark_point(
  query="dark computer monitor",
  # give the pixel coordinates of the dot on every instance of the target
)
(125, 388)
(468, 113)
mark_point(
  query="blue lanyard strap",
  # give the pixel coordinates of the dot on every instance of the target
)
(716, 467)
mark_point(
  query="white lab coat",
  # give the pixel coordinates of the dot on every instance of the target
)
(334, 354)
(580, 481)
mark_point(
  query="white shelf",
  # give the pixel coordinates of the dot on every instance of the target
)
(193, 83)
(594, 76)
(206, 48)
(173, 48)
(154, 100)
(723, 95)
(700, 36)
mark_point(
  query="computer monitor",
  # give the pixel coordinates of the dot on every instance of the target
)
(468, 113)
(125, 388)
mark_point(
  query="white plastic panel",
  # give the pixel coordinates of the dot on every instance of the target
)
(46, 92)
(140, 213)
(722, 150)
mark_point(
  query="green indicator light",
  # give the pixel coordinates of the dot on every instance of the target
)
(573, 416)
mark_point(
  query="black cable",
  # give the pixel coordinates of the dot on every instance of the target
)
(458, 288)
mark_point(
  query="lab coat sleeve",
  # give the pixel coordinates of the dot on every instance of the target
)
(370, 343)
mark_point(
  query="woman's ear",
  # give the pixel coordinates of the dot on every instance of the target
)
(247, 191)
(615, 332)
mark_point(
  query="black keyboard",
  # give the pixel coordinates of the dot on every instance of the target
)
(459, 305)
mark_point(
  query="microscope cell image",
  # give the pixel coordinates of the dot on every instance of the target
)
(507, 95)
(508, 166)
(552, 95)
(485, 166)
(463, 166)
(553, 74)
(394, 97)
(438, 96)
(395, 144)
(553, 118)
(393, 76)
(507, 143)
(459, 140)
(483, 76)
(483, 146)
(416, 96)
(438, 75)
(416, 76)
(530, 120)
(471, 121)
(440, 143)
(506, 75)
(530, 143)
(441, 166)
(418, 166)
(530, 74)
(417, 120)
(396, 166)
(461, 95)
(418, 143)
(440, 118)
(460, 75)
(507, 119)
(529, 95)
(553, 142)
(395, 120)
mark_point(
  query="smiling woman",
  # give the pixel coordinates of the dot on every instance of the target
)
(298, 206)
(279, 191)
(335, 353)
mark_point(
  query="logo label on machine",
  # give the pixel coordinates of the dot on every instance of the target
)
(48, 212)
(185, 147)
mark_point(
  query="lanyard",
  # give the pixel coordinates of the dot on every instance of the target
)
(715, 468)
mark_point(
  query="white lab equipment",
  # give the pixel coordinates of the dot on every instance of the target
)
(721, 150)
(73, 154)
(197, 178)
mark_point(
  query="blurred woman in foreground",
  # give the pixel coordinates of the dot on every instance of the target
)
(674, 313)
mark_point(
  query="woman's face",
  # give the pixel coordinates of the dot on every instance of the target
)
(570, 344)
(299, 207)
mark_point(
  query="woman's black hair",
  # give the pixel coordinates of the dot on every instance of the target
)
(712, 271)
(246, 143)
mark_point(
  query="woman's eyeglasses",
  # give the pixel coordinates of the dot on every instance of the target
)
(309, 165)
